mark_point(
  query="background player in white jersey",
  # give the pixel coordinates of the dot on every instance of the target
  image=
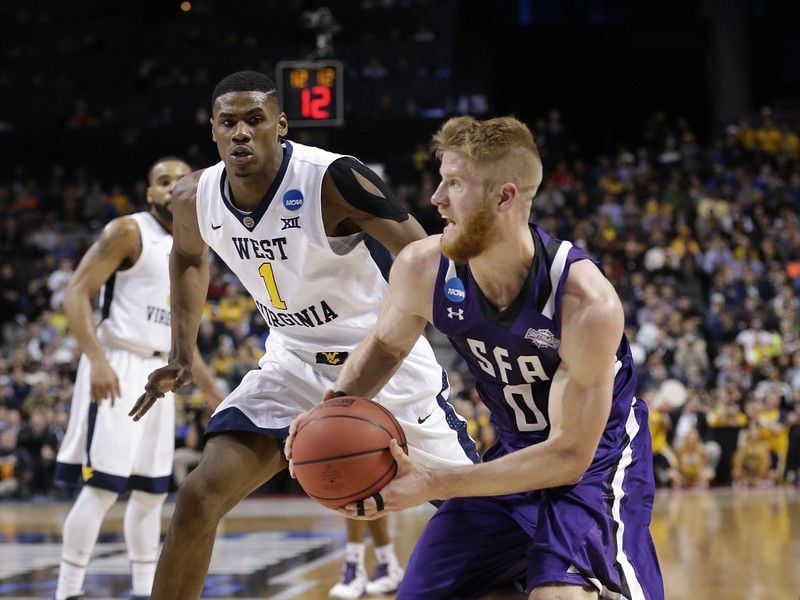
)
(290, 220)
(102, 446)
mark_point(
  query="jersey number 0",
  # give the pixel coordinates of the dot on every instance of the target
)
(265, 270)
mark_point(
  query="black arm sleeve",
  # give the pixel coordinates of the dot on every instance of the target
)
(343, 171)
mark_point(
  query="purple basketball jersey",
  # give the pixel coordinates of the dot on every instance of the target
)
(513, 354)
(594, 533)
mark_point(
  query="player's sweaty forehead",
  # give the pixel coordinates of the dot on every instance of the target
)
(240, 104)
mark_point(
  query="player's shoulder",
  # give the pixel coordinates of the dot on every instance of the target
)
(122, 227)
(312, 155)
(186, 188)
(121, 236)
(589, 298)
(586, 283)
(420, 256)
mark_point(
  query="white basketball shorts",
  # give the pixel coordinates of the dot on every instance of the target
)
(290, 382)
(103, 446)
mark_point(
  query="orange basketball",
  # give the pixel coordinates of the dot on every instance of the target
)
(341, 450)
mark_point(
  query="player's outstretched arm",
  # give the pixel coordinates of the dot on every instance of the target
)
(119, 243)
(405, 311)
(188, 276)
(580, 401)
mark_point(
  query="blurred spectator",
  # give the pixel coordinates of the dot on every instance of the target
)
(40, 445)
(15, 468)
(693, 469)
(233, 306)
(58, 280)
(751, 462)
(774, 432)
(664, 459)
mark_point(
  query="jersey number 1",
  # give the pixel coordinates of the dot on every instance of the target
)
(265, 270)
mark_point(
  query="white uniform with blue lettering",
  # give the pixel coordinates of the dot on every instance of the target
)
(103, 446)
(320, 297)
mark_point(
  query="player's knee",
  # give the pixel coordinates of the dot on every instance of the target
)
(199, 506)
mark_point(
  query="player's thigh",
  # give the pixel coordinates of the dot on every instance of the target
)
(563, 591)
(156, 448)
(470, 546)
(234, 464)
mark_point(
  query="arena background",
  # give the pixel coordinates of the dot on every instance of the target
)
(669, 135)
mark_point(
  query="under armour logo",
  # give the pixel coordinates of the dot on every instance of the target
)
(290, 223)
(455, 313)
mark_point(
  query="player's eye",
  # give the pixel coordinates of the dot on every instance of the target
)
(255, 120)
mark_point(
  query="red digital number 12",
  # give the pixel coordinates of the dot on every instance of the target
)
(314, 101)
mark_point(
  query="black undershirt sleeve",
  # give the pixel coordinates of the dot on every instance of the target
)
(343, 171)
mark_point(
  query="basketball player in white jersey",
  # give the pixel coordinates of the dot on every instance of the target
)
(102, 446)
(295, 224)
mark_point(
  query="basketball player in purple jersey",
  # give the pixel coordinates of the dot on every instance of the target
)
(563, 501)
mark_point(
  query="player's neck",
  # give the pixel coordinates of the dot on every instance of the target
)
(502, 269)
(248, 191)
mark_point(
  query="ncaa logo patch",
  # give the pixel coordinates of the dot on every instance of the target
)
(454, 290)
(293, 199)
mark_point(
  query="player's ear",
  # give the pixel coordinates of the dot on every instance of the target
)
(213, 138)
(507, 191)
(283, 124)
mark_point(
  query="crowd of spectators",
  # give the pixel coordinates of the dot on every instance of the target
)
(701, 240)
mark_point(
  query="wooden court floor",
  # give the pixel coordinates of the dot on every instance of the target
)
(728, 544)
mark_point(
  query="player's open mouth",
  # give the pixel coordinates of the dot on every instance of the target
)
(241, 153)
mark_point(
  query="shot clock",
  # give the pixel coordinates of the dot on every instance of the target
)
(311, 92)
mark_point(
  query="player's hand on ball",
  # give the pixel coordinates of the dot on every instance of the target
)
(410, 487)
(287, 445)
(169, 378)
(293, 426)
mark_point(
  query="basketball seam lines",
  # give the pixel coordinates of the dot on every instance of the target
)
(341, 456)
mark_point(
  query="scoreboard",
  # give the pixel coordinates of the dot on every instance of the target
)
(311, 92)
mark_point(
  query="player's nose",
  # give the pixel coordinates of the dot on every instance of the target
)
(439, 197)
(241, 133)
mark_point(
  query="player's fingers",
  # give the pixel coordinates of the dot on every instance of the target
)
(145, 407)
(398, 454)
(137, 404)
(328, 395)
(291, 469)
(142, 406)
(287, 446)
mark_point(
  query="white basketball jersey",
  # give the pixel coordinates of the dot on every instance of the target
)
(314, 292)
(135, 302)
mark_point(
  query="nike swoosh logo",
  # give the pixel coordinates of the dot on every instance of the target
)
(421, 420)
(215, 227)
